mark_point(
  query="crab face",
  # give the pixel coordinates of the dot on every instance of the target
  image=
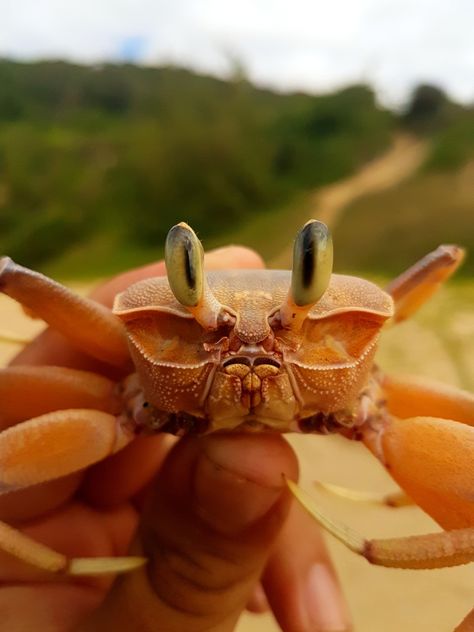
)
(252, 350)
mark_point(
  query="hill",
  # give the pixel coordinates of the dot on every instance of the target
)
(396, 226)
(103, 160)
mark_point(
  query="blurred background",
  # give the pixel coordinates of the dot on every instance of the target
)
(120, 118)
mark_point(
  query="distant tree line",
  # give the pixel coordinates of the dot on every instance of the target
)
(90, 149)
(430, 112)
(130, 150)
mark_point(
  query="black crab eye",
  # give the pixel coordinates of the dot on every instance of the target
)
(312, 263)
(184, 256)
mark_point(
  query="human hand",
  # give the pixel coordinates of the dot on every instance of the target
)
(210, 513)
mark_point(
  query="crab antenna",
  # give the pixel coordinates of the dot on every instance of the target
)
(184, 259)
(312, 268)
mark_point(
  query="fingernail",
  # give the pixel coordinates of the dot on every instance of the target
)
(325, 605)
(230, 493)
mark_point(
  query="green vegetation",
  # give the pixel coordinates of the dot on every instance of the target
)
(450, 126)
(454, 146)
(97, 163)
(390, 230)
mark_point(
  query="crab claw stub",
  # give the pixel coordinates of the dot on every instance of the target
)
(312, 269)
(184, 259)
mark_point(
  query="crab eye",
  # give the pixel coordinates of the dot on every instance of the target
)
(184, 257)
(312, 263)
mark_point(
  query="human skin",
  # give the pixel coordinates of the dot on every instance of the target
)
(212, 515)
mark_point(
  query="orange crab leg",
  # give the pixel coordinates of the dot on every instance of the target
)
(48, 447)
(410, 396)
(56, 444)
(433, 550)
(29, 391)
(416, 285)
(392, 499)
(24, 548)
(431, 459)
(89, 326)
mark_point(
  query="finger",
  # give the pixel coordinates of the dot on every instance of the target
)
(300, 582)
(51, 607)
(24, 504)
(125, 474)
(52, 348)
(74, 530)
(233, 257)
(55, 603)
(258, 601)
(217, 507)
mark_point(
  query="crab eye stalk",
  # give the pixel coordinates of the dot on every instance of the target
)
(312, 263)
(184, 259)
(312, 269)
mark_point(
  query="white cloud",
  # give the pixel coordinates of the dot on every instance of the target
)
(297, 44)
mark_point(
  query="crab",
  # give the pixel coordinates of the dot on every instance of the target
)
(242, 351)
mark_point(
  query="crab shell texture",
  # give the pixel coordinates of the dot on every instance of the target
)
(253, 373)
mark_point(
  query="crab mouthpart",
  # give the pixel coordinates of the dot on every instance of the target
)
(251, 373)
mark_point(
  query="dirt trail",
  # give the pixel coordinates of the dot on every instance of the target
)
(328, 203)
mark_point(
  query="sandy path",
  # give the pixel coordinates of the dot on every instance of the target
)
(327, 203)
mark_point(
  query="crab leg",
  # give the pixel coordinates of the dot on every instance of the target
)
(431, 460)
(56, 444)
(89, 326)
(416, 285)
(48, 447)
(393, 499)
(24, 548)
(433, 550)
(410, 396)
(29, 391)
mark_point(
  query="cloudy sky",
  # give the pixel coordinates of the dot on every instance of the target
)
(288, 44)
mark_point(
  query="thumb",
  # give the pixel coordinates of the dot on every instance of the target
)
(216, 509)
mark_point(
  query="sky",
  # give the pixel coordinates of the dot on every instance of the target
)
(309, 45)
